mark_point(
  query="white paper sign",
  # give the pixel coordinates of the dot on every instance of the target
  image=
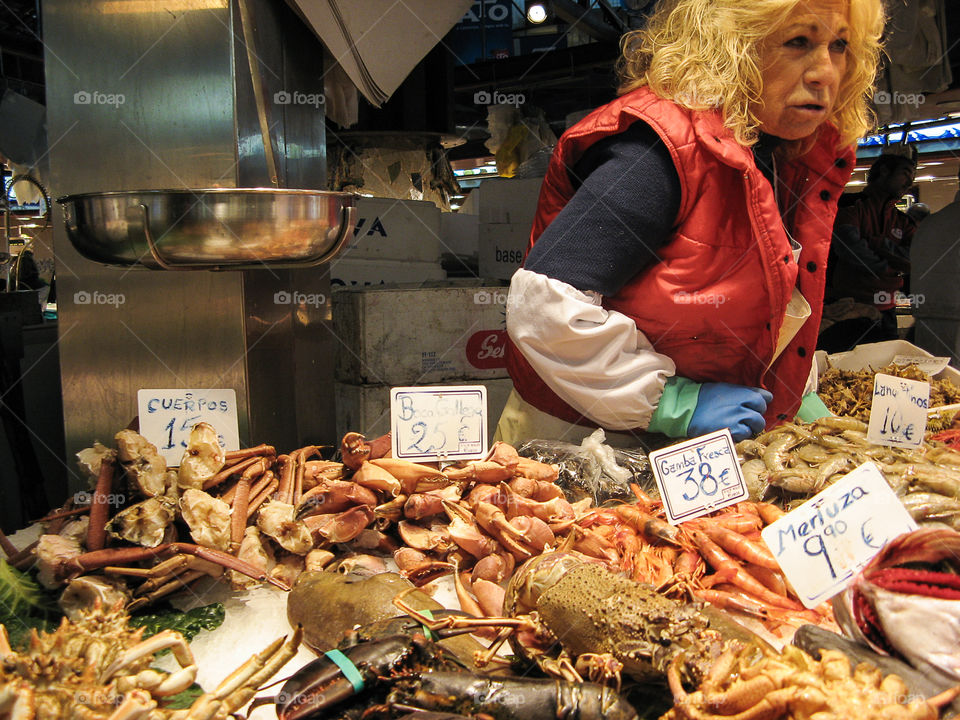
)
(168, 416)
(929, 365)
(447, 422)
(898, 415)
(823, 543)
(698, 476)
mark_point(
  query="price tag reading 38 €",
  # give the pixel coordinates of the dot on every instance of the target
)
(698, 476)
(825, 541)
(444, 422)
(898, 414)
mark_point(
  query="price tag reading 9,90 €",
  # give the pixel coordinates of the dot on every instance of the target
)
(446, 422)
(698, 476)
(168, 416)
(822, 543)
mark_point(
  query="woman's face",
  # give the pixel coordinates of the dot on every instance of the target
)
(802, 64)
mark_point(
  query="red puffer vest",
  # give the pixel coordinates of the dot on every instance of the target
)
(716, 300)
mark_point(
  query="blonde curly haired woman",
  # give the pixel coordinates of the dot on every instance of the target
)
(674, 281)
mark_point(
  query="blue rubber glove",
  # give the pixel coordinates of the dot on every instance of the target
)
(689, 409)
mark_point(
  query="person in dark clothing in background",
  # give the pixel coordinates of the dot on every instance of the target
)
(870, 253)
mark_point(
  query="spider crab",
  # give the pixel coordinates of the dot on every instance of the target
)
(98, 668)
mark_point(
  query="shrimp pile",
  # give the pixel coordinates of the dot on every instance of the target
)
(719, 558)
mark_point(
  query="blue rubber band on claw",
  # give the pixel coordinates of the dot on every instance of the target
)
(348, 669)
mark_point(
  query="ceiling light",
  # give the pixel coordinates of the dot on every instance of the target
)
(536, 12)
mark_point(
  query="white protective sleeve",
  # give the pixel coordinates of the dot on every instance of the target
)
(596, 360)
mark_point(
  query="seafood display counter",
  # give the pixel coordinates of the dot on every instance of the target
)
(539, 581)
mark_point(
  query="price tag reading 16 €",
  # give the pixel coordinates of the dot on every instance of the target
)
(698, 476)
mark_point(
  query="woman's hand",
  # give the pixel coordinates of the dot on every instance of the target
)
(689, 409)
(722, 405)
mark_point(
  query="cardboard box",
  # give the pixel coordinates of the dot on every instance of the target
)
(502, 249)
(459, 233)
(878, 355)
(504, 201)
(416, 336)
(352, 273)
(366, 408)
(390, 229)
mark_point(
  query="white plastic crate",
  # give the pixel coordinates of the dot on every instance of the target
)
(415, 336)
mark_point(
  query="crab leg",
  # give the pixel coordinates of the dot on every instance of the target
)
(8, 547)
(238, 514)
(101, 558)
(136, 704)
(167, 567)
(227, 472)
(250, 474)
(61, 513)
(234, 456)
(287, 468)
(99, 510)
(165, 640)
(24, 558)
(177, 583)
(260, 492)
(237, 689)
(5, 648)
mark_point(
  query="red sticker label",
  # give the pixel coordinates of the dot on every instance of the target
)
(487, 348)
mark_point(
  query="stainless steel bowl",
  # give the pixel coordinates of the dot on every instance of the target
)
(210, 228)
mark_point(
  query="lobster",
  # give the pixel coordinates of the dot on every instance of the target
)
(409, 672)
(607, 623)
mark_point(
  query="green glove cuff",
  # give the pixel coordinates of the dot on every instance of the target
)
(676, 407)
(812, 408)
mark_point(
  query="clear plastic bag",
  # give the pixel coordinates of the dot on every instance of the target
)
(593, 469)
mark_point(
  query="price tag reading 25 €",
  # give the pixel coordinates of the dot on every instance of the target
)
(447, 422)
(698, 476)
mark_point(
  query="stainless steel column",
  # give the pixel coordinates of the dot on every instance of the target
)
(143, 95)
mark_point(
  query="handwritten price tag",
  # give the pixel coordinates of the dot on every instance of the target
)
(898, 415)
(698, 476)
(929, 365)
(168, 416)
(823, 543)
(446, 422)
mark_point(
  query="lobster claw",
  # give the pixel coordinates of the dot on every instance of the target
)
(315, 687)
(339, 675)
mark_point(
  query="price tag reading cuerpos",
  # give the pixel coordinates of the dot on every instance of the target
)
(898, 415)
(168, 416)
(825, 541)
(447, 422)
(698, 476)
